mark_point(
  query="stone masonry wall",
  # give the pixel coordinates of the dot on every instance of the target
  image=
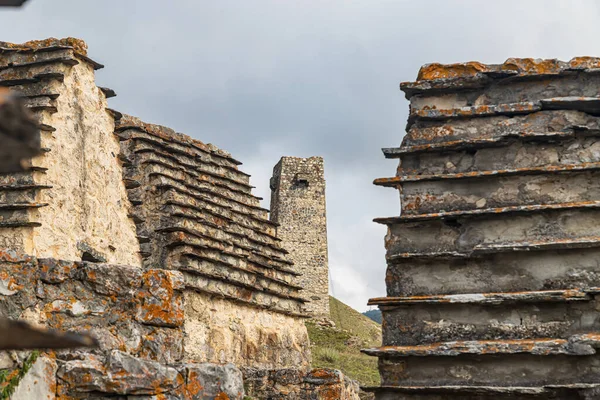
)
(493, 271)
(220, 331)
(298, 207)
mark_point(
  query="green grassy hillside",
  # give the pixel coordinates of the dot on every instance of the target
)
(339, 347)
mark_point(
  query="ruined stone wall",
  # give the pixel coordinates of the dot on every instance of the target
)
(492, 264)
(137, 315)
(298, 207)
(72, 203)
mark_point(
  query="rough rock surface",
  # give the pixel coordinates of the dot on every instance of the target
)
(294, 384)
(492, 264)
(39, 383)
(219, 331)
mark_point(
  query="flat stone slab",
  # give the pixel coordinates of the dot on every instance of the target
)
(577, 345)
(486, 298)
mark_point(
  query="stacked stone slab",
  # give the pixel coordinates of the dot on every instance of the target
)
(195, 212)
(492, 265)
(298, 208)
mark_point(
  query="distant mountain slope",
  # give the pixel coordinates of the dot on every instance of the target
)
(374, 315)
(339, 346)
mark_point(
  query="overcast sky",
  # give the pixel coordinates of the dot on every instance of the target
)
(263, 79)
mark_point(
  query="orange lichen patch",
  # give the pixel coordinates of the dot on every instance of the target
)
(323, 373)
(222, 396)
(193, 387)
(434, 71)
(34, 45)
(56, 272)
(13, 256)
(530, 66)
(10, 282)
(160, 305)
(584, 62)
(429, 134)
(587, 338)
(8, 378)
(477, 111)
(520, 66)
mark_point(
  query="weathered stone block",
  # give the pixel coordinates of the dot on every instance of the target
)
(212, 381)
(118, 373)
(111, 280)
(39, 382)
(161, 301)
(164, 345)
(56, 271)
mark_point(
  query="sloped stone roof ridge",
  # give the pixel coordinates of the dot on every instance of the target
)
(127, 121)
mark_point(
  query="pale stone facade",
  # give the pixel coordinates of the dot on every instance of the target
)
(298, 207)
(218, 331)
(58, 217)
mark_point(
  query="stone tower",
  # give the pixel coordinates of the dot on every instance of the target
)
(298, 206)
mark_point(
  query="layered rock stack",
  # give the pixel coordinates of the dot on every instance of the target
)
(493, 263)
